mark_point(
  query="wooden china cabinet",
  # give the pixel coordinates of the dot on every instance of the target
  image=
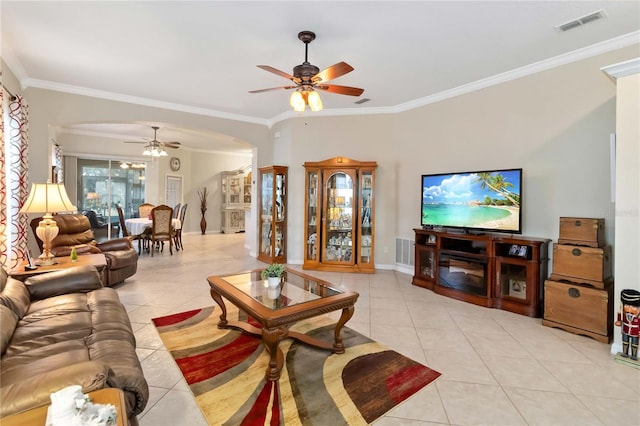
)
(272, 205)
(339, 215)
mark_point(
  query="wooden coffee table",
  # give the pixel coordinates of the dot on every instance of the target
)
(298, 297)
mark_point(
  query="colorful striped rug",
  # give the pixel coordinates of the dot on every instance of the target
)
(225, 371)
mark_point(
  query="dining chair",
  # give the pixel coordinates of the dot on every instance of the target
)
(176, 211)
(178, 232)
(144, 209)
(161, 228)
(125, 232)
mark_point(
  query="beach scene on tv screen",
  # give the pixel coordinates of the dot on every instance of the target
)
(487, 200)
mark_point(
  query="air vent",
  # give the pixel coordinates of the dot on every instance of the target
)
(361, 101)
(583, 20)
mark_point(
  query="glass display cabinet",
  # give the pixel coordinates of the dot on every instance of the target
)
(272, 204)
(339, 215)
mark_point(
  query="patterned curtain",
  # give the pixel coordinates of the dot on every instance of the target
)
(14, 184)
(4, 248)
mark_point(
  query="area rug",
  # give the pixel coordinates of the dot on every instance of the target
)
(225, 370)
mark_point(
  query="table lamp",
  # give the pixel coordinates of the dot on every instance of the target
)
(47, 198)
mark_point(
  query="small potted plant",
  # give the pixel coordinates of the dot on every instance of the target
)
(273, 274)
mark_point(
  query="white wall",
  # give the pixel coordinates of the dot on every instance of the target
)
(627, 241)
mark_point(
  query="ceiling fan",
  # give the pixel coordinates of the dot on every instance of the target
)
(154, 147)
(308, 78)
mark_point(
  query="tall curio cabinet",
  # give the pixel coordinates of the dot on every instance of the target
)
(236, 199)
(339, 215)
(272, 206)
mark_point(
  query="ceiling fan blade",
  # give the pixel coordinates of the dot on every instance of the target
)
(134, 142)
(341, 90)
(334, 71)
(276, 71)
(272, 88)
(171, 146)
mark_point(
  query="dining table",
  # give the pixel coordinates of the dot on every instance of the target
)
(137, 225)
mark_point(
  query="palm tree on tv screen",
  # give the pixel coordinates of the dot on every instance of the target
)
(498, 184)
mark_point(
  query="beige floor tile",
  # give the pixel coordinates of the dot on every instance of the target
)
(391, 335)
(593, 380)
(390, 317)
(160, 370)
(525, 373)
(613, 412)
(497, 344)
(549, 408)
(147, 338)
(474, 404)
(435, 339)
(460, 366)
(184, 411)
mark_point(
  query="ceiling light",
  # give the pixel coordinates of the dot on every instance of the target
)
(301, 98)
(314, 101)
(297, 101)
(146, 151)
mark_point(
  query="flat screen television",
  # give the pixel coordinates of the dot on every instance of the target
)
(473, 201)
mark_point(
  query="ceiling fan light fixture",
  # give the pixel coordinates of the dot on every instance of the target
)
(314, 101)
(297, 101)
(163, 153)
(146, 151)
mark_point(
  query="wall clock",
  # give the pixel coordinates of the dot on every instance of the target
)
(175, 164)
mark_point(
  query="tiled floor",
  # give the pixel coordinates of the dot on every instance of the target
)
(498, 368)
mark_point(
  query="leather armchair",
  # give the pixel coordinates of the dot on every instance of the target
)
(75, 231)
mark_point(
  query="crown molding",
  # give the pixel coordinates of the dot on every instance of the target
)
(103, 94)
(546, 64)
(622, 69)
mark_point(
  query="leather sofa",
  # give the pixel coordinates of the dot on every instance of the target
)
(74, 230)
(64, 328)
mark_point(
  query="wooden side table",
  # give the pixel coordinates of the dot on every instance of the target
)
(97, 260)
(38, 416)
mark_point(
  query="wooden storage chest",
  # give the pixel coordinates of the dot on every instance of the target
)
(586, 265)
(582, 231)
(579, 309)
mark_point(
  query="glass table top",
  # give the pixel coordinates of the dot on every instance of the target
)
(293, 290)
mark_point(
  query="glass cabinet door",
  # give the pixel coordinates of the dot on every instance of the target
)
(280, 214)
(312, 218)
(339, 212)
(234, 190)
(366, 219)
(273, 214)
(266, 208)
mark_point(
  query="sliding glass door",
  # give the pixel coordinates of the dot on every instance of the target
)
(105, 184)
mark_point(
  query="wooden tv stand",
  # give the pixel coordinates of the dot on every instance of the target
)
(493, 270)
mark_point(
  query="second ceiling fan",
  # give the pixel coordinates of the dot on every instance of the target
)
(154, 147)
(307, 78)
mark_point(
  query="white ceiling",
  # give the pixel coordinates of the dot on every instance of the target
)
(202, 55)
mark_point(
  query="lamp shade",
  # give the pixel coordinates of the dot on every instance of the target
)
(47, 198)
